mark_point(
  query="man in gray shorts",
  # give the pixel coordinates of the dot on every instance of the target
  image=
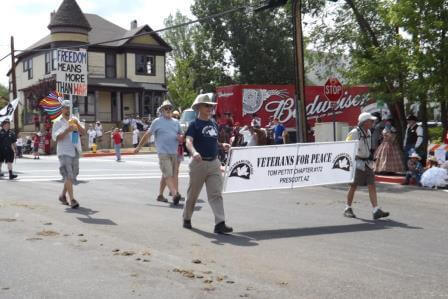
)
(66, 133)
(364, 174)
(167, 135)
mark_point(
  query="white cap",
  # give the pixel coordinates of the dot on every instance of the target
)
(365, 116)
(66, 103)
(415, 155)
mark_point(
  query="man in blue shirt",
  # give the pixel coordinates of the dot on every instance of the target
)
(279, 128)
(167, 134)
(205, 168)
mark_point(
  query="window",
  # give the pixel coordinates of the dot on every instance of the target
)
(47, 63)
(86, 105)
(145, 65)
(28, 67)
(111, 66)
(54, 58)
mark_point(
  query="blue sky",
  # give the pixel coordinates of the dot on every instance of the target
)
(27, 20)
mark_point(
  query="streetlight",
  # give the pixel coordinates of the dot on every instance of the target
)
(299, 78)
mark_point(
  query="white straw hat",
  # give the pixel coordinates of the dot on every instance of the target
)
(363, 117)
(202, 99)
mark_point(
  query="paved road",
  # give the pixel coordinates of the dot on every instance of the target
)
(288, 244)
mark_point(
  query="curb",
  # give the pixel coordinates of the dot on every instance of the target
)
(389, 179)
(92, 155)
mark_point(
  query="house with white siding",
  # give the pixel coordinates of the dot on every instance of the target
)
(126, 76)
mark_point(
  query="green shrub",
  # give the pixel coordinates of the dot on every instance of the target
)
(435, 134)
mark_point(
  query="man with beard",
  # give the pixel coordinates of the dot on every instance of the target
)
(7, 147)
(66, 133)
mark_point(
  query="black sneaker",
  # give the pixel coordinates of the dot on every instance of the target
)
(222, 228)
(380, 214)
(349, 213)
(12, 176)
(176, 199)
(187, 224)
(2, 174)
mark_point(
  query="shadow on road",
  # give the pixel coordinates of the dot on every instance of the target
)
(89, 220)
(367, 225)
(170, 205)
(381, 188)
(218, 239)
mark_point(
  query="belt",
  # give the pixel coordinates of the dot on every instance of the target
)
(208, 159)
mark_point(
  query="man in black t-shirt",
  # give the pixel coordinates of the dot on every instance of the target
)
(205, 168)
(7, 147)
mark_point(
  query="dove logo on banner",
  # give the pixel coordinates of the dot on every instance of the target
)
(343, 162)
(242, 169)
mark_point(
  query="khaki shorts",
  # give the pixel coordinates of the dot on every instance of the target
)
(69, 167)
(364, 178)
(168, 164)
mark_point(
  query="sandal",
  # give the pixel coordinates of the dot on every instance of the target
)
(63, 200)
(74, 204)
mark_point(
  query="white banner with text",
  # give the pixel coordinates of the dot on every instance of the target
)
(290, 166)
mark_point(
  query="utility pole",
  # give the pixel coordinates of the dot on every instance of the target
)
(14, 86)
(299, 78)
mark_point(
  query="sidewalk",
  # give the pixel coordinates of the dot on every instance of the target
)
(124, 152)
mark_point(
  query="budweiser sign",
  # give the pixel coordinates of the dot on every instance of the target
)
(277, 101)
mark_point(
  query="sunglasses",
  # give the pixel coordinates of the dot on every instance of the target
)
(208, 105)
(168, 109)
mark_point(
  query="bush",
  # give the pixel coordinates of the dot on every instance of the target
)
(435, 134)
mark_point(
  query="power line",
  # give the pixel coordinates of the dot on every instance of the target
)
(145, 33)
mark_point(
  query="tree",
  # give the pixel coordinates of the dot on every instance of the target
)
(193, 64)
(4, 96)
(257, 45)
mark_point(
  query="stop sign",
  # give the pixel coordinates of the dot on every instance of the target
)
(333, 89)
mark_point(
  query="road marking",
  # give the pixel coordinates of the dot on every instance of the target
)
(91, 178)
(95, 175)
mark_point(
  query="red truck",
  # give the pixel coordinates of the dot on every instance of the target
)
(266, 102)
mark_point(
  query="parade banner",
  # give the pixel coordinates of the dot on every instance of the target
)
(7, 112)
(289, 166)
(71, 72)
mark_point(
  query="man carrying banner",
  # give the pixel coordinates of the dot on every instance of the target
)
(7, 147)
(364, 174)
(66, 132)
(202, 143)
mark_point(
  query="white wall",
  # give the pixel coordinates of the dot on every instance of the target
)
(97, 67)
(38, 72)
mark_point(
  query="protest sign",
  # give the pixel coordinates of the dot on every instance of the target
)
(71, 72)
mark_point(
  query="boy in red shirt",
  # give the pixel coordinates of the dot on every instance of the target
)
(36, 143)
(116, 136)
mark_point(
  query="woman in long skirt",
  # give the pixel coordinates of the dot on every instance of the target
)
(388, 155)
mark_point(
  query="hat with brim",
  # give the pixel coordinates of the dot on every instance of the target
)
(363, 117)
(412, 117)
(415, 155)
(433, 159)
(202, 99)
(66, 104)
(166, 103)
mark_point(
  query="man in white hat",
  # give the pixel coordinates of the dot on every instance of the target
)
(66, 133)
(205, 168)
(167, 133)
(364, 174)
